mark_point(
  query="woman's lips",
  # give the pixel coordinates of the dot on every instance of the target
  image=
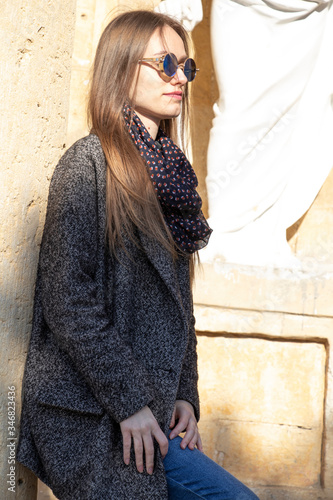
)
(175, 95)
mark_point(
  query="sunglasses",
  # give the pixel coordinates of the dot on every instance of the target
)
(168, 66)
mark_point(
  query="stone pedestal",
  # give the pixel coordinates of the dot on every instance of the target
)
(264, 343)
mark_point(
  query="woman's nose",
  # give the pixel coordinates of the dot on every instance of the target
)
(180, 76)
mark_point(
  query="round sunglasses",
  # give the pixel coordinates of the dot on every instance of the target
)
(168, 65)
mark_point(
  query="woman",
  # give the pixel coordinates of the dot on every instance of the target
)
(112, 359)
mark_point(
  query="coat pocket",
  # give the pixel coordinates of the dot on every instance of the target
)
(66, 395)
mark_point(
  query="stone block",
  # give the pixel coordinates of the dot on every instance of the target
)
(262, 408)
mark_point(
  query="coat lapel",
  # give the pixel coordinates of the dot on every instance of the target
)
(163, 263)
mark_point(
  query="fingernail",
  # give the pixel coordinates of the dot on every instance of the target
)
(150, 471)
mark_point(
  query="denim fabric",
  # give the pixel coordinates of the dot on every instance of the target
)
(191, 475)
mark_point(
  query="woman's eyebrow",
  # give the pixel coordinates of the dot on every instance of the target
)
(160, 53)
(163, 52)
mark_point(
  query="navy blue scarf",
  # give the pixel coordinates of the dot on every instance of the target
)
(175, 183)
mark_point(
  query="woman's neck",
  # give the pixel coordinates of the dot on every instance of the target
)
(151, 124)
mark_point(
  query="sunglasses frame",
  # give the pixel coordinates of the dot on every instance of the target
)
(160, 62)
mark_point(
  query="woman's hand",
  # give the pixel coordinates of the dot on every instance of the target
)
(142, 427)
(184, 413)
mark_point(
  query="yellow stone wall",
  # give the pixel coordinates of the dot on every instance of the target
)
(36, 47)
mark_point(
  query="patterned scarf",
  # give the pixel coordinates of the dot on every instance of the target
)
(175, 183)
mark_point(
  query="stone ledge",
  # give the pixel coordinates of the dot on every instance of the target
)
(271, 324)
(295, 291)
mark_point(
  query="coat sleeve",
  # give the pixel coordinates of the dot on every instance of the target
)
(188, 384)
(73, 307)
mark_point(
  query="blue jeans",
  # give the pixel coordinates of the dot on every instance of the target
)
(191, 475)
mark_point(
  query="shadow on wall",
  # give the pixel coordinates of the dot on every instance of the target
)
(205, 93)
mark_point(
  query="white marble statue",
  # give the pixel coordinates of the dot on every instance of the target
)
(189, 12)
(271, 144)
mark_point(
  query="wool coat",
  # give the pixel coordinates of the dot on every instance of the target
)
(109, 336)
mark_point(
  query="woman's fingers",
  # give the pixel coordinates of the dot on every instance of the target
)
(162, 440)
(127, 441)
(187, 422)
(199, 443)
(195, 441)
(144, 447)
(143, 428)
(180, 427)
(149, 452)
(191, 434)
(173, 419)
(138, 450)
(184, 413)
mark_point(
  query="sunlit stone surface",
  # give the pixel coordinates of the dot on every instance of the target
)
(262, 408)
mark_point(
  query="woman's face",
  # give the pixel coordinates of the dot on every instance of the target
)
(158, 97)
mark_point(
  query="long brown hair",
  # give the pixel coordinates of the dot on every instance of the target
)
(131, 199)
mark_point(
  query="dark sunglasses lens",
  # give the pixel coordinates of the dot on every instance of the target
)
(170, 64)
(190, 69)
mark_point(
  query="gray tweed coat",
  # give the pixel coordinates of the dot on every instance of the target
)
(109, 337)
